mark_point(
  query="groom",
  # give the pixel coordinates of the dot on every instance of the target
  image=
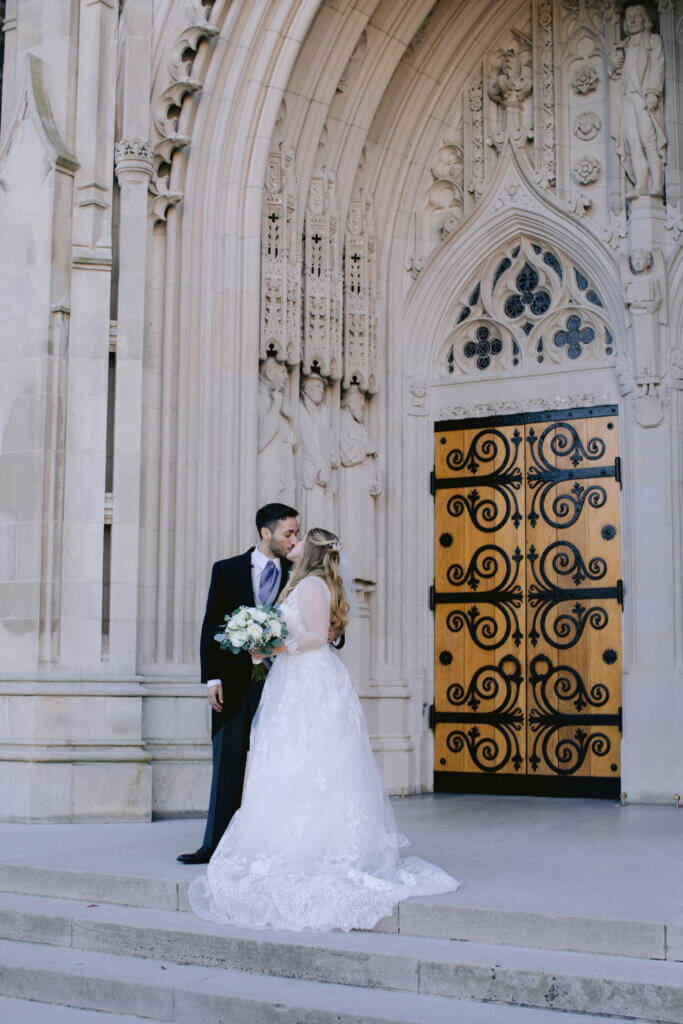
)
(254, 578)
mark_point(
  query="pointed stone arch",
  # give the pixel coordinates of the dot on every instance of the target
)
(512, 207)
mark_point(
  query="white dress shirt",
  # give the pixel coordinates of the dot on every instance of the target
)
(258, 563)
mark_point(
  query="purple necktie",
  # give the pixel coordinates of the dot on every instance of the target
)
(267, 587)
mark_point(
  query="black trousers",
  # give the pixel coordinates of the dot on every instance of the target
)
(230, 748)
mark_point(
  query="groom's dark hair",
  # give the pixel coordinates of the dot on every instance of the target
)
(270, 515)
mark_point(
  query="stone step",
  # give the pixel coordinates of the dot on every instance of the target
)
(572, 982)
(135, 989)
(27, 1011)
(447, 917)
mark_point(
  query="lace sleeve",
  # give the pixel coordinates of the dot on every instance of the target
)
(310, 631)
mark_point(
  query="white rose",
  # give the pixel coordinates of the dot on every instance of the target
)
(242, 618)
(255, 632)
(239, 638)
(259, 616)
(275, 628)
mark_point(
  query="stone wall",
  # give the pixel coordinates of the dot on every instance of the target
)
(238, 240)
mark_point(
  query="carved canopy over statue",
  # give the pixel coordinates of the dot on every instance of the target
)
(637, 108)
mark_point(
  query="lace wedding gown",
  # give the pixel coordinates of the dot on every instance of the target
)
(314, 844)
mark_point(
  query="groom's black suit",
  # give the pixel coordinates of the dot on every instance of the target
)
(231, 586)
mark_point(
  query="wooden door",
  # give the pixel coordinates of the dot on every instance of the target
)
(527, 601)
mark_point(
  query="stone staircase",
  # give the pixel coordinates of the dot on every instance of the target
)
(78, 946)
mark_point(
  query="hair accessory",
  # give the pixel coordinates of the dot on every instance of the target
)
(335, 545)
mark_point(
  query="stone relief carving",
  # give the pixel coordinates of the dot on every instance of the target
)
(529, 305)
(584, 78)
(178, 83)
(360, 483)
(586, 169)
(476, 114)
(644, 277)
(133, 160)
(280, 258)
(319, 456)
(445, 194)
(587, 125)
(276, 440)
(569, 401)
(637, 73)
(322, 333)
(510, 87)
(418, 392)
(360, 296)
(547, 172)
(414, 266)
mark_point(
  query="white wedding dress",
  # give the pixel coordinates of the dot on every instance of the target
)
(314, 844)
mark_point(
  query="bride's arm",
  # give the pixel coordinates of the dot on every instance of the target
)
(313, 599)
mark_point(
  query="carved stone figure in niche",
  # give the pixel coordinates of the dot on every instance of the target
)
(644, 289)
(276, 441)
(637, 107)
(361, 482)
(319, 456)
(512, 85)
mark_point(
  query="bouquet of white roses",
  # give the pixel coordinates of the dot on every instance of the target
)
(253, 629)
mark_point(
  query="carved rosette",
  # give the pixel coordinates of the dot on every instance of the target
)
(360, 297)
(322, 334)
(281, 288)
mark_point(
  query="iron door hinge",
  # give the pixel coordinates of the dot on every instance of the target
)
(620, 592)
(432, 483)
(432, 603)
(617, 473)
(432, 717)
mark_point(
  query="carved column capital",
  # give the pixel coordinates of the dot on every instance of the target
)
(133, 161)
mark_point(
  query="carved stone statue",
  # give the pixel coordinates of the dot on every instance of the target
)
(319, 456)
(637, 107)
(361, 482)
(276, 441)
(644, 291)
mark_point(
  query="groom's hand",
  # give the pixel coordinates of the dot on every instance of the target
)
(216, 697)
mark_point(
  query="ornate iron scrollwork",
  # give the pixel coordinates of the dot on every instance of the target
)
(562, 440)
(544, 596)
(563, 683)
(564, 754)
(489, 446)
(500, 684)
(487, 631)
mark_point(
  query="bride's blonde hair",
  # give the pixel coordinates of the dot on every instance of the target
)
(320, 557)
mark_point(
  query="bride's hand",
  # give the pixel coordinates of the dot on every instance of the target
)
(256, 656)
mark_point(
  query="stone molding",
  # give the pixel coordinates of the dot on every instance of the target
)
(133, 161)
(569, 401)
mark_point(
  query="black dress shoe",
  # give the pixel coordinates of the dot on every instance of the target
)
(200, 856)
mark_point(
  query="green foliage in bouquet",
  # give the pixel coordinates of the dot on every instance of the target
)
(253, 629)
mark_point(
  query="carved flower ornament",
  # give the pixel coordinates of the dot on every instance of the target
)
(586, 169)
(585, 79)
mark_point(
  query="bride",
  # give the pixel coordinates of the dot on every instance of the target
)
(314, 844)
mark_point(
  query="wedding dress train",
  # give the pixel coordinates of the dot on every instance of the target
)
(314, 844)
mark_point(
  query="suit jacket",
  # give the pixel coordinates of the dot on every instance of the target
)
(230, 587)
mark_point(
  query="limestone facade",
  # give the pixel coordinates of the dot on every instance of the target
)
(237, 235)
